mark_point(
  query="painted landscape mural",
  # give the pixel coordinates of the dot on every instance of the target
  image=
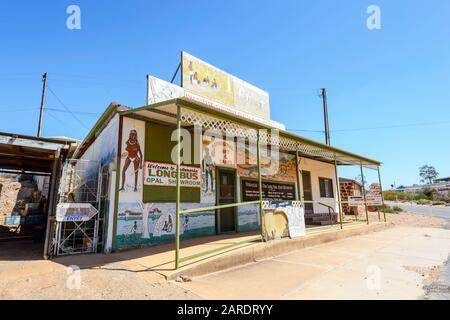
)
(141, 223)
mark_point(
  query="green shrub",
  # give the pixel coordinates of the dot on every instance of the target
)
(394, 209)
(421, 196)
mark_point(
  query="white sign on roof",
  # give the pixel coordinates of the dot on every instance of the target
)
(160, 90)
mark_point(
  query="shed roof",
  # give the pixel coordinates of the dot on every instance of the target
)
(30, 154)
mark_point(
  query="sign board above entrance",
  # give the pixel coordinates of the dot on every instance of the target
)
(165, 174)
(210, 82)
(75, 212)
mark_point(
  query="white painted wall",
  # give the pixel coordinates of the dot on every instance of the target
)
(111, 198)
(322, 170)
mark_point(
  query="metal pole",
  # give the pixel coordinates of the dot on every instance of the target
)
(338, 187)
(325, 116)
(381, 191)
(364, 193)
(41, 113)
(177, 218)
(261, 213)
(148, 91)
(299, 183)
(176, 72)
(51, 202)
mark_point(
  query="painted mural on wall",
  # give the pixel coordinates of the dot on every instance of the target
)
(131, 157)
(152, 223)
(248, 217)
(281, 169)
(141, 223)
(102, 152)
(216, 151)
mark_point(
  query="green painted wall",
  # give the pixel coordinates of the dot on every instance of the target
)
(158, 148)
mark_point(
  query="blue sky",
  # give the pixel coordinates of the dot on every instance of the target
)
(396, 78)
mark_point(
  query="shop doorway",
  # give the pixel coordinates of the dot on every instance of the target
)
(307, 191)
(226, 194)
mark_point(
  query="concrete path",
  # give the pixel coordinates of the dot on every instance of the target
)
(391, 264)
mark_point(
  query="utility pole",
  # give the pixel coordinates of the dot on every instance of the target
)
(41, 114)
(325, 116)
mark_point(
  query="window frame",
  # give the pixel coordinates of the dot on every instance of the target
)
(325, 195)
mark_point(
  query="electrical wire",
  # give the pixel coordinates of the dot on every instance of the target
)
(421, 124)
(93, 114)
(65, 107)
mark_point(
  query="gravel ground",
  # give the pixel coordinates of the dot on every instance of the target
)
(412, 220)
(32, 278)
(112, 282)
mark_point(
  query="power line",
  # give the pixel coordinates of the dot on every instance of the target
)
(95, 114)
(421, 124)
(78, 112)
(20, 109)
(65, 107)
(304, 130)
(58, 119)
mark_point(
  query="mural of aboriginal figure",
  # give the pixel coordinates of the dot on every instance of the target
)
(208, 168)
(133, 155)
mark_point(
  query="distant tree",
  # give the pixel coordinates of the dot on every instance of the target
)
(428, 173)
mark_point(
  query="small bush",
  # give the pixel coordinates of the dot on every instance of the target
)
(421, 196)
(423, 202)
(394, 209)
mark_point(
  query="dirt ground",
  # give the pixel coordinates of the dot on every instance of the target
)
(26, 276)
(411, 220)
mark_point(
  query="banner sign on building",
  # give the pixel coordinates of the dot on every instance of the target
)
(372, 200)
(270, 191)
(75, 212)
(210, 82)
(165, 174)
(160, 90)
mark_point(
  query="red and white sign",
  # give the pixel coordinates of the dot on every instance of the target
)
(165, 174)
(371, 200)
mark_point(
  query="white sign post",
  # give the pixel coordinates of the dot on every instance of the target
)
(371, 200)
(75, 212)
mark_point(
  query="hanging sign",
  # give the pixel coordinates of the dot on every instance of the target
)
(371, 200)
(75, 212)
(165, 174)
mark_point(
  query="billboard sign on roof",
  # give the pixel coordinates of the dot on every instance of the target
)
(205, 80)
